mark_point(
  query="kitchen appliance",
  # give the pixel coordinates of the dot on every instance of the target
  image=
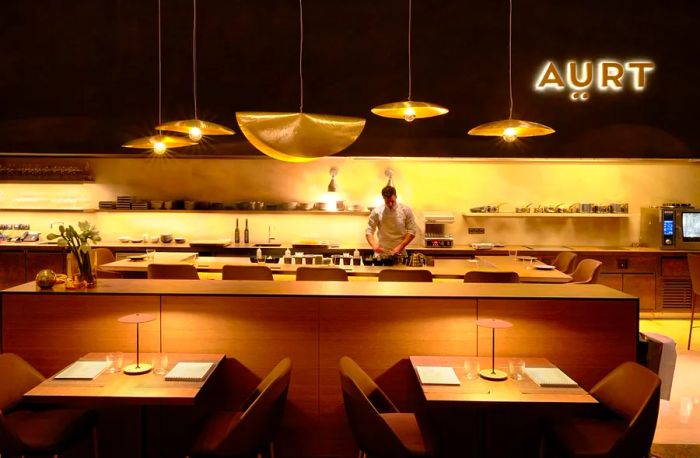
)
(435, 235)
(671, 226)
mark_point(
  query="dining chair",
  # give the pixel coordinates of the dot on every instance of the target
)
(624, 425)
(488, 276)
(172, 272)
(98, 256)
(28, 431)
(250, 430)
(587, 271)
(379, 428)
(694, 267)
(418, 275)
(321, 274)
(232, 272)
(565, 261)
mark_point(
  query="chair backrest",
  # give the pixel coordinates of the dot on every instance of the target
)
(489, 276)
(98, 256)
(18, 377)
(370, 430)
(172, 271)
(631, 391)
(587, 271)
(694, 267)
(262, 414)
(420, 275)
(230, 272)
(321, 274)
(565, 261)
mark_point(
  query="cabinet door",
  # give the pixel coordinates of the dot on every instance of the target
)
(12, 269)
(38, 260)
(611, 280)
(643, 286)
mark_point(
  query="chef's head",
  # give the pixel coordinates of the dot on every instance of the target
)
(389, 195)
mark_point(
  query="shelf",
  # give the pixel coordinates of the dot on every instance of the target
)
(546, 215)
(54, 210)
(286, 212)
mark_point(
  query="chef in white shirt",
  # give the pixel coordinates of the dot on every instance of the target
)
(393, 223)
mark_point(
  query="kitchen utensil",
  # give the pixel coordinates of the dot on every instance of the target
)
(305, 206)
(525, 209)
(619, 208)
(289, 205)
(323, 206)
(124, 239)
(166, 238)
(179, 240)
(340, 205)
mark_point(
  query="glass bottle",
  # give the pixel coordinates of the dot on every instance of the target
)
(237, 234)
(246, 233)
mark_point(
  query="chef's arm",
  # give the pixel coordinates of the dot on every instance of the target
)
(374, 243)
(398, 249)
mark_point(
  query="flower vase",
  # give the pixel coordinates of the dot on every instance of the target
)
(87, 273)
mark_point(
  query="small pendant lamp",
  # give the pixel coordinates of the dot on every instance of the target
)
(159, 143)
(510, 129)
(195, 128)
(409, 110)
(299, 137)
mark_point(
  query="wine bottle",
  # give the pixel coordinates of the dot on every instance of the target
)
(237, 234)
(246, 234)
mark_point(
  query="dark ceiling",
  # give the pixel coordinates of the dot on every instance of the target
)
(80, 76)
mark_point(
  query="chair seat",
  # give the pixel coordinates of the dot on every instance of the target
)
(412, 434)
(588, 437)
(215, 431)
(48, 431)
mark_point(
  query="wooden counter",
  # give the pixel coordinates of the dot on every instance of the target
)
(584, 329)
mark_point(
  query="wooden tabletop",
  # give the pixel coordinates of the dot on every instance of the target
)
(489, 393)
(443, 268)
(122, 389)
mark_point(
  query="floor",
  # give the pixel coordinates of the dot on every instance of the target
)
(679, 417)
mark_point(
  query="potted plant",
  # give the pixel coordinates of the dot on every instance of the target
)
(78, 243)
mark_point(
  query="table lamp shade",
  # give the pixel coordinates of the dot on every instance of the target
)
(493, 324)
(138, 318)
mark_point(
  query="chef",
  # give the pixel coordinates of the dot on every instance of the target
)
(394, 224)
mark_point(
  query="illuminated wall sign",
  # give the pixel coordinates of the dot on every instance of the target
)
(604, 75)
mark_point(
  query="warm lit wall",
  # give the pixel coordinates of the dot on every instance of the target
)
(449, 185)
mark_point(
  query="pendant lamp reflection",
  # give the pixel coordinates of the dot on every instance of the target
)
(409, 110)
(159, 143)
(195, 128)
(299, 137)
(510, 129)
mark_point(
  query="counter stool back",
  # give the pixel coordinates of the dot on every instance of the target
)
(172, 272)
(488, 276)
(230, 272)
(419, 275)
(694, 267)
(565, 261)
(321, 274)
(99, 256)
(587, 271)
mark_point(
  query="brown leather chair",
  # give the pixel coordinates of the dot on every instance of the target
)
(28, 431)
(587, 271)
(250, 430)
(380, 430)
(321, 274)
(420, 275)
(629, 396)
(488, 276)
(172, 272)
(565, 261)
(694, 267)
(230, 272)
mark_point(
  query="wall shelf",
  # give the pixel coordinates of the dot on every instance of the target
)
(53, 210)
(545, 215)
(285, 212)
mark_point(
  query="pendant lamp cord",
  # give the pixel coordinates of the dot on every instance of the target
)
(510, 56)
(301, 52)
(160, 70)
(194, 56)
(410, 17)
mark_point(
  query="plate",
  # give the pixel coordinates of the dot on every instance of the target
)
(526, 258)
(137, 257)
(545, 267)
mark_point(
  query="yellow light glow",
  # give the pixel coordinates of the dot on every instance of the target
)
(195, 134)
(159, 148)
(510, 134)
(409, 114)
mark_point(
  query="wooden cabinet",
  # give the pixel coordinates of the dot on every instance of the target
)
(22, 265)
(641, 285)
(37, 261)
(12, 268)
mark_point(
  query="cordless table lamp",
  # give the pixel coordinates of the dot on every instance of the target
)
(493, 373)
(138, 318)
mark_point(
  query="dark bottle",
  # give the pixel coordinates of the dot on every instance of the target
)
(246, 234)
(237, 234)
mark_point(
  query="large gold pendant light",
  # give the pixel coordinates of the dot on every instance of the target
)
(409, 110)
(510, 129)
(195, 128)
(159, 143)
(299, 137)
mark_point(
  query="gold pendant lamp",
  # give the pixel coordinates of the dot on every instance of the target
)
(195, 128)
(511, 129)
(159, 143)
(299, 137)
(409, 110)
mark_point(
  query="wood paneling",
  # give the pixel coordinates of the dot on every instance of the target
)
(643, 286)
(12, 269)
(37, 260)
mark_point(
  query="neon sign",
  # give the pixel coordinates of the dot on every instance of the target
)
(603, 75)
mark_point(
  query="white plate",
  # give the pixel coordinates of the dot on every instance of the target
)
(545, 267)
(137, 257)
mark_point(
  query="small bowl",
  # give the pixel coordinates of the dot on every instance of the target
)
(154, 239)
(179, 240)
(124, 239)
(166, 238)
